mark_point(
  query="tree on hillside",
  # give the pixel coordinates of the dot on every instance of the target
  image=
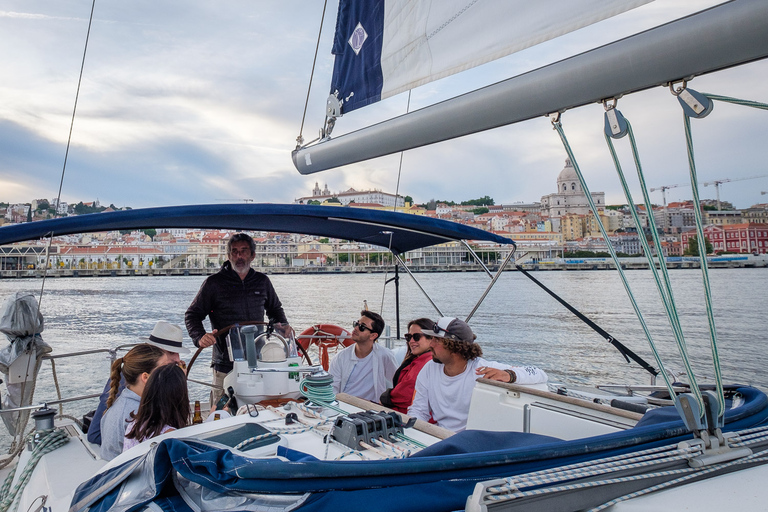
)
(481, 210)
(483, 201)
(150, 233)
(408, 199)
(693, 246)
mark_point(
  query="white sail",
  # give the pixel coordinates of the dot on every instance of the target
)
(425, 41)
(383, 48)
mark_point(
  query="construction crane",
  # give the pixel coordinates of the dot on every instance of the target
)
(663, 189)
(717, 184)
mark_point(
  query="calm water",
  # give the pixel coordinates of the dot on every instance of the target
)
(518, 323)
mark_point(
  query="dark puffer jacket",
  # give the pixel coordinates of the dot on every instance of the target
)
(228, 300)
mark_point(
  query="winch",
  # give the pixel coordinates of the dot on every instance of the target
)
(366, 426)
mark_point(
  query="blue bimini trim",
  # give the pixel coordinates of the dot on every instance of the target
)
(399, 232)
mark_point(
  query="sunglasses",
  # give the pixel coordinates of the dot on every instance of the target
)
(436, 328)
(361, 326)
(416, 337)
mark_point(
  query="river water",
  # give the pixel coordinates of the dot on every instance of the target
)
(517, 322)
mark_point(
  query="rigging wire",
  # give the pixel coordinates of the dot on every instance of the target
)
(701, 239)
(400, 167)
(703, 265)
(665, 291)
(300, 138)
(394, 209)
(557, 126)
(66, 152)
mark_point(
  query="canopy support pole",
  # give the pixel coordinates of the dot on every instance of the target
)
(418, 284)
(477, 258)
(493, 282)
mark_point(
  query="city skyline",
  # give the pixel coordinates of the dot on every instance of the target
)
(204, 105)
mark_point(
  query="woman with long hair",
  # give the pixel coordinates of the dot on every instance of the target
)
(135, 367)
(164, 406)
(400, 396)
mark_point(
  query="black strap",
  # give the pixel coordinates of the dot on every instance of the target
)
(626, 352)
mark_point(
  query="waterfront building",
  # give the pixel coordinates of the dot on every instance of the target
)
(714, 234)
(612, 220)
(626, 242)
(722, 218)
(351, 195)
(745, 238)
(676, 217)
(517, 207)
(757, 213)
(569, 198)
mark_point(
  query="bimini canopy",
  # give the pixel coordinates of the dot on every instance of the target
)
(398, 232)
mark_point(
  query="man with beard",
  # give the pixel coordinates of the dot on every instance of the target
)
(364, 369)
(235, 294)
(444, 385)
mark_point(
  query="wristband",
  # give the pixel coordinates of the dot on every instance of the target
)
(512, 376)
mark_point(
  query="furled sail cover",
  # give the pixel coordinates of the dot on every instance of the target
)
(384, 47)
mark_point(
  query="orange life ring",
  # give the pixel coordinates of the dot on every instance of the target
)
(325, 336)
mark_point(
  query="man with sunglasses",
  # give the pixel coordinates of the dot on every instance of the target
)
(364, 369)
(444, 386)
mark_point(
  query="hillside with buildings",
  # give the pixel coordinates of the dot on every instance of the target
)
(558, 224)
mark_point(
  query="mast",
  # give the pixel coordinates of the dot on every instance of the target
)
(723, 36)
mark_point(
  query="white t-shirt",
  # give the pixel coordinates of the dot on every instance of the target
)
(360, 381)
(382, 366)
(446, 399)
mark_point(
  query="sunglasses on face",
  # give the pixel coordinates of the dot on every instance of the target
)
(416, 337)
(361, 326)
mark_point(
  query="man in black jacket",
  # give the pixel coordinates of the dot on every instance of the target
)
(237, 293)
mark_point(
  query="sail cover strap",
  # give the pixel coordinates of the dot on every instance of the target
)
(385, 47)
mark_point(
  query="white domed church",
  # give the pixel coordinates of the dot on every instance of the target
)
(570, 197)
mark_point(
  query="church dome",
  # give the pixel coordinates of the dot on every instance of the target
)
(568, 181)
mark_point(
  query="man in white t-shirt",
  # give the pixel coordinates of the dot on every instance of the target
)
(444, 385)
(364, 369)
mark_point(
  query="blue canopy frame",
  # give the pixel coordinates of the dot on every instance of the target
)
(397, 232)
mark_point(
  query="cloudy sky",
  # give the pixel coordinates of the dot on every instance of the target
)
(186, 102)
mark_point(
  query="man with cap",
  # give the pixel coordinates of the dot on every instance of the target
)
(235, 294)
(444, 386)
(364, 369)
(166, 336)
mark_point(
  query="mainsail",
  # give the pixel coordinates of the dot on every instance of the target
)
(386, 47)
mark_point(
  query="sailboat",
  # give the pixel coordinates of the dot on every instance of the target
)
(525, 448)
